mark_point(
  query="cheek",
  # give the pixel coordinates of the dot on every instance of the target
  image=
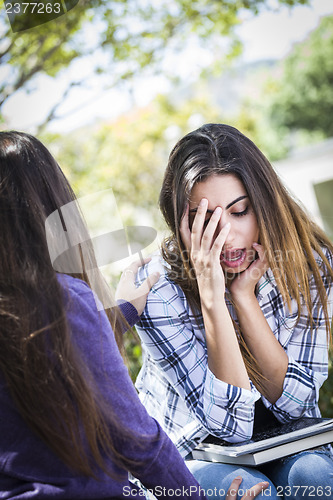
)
(253, 229)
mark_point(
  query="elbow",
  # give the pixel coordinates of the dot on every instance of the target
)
(235, 432)
(243, 433)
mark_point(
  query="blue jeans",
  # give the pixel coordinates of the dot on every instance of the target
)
(306, 475)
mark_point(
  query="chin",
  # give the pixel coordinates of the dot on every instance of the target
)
(233, 271)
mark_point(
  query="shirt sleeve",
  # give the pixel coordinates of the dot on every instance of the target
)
(129, 313)
(155, 460)
(170, 334)
(307, 350)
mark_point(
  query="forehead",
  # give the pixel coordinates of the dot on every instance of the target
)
(220, 190)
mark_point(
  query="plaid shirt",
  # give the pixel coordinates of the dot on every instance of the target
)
(177, 387)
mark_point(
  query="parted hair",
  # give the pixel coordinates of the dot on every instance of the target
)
(52, 389)
(287, 233)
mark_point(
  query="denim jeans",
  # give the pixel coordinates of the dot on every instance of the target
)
(306, 475)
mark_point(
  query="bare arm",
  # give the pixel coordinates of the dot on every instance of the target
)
(259, 338)
(224, 356)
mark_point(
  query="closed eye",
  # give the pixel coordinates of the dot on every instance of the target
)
(240, 214)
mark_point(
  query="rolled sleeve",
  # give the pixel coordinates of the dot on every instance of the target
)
(307, 350)
(229, 409)
(300, 392)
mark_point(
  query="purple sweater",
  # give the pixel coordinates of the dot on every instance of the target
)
(29, 469)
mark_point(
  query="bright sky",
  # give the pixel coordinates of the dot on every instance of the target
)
(269, 35)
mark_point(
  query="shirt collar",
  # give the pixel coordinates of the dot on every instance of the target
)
(266, 284)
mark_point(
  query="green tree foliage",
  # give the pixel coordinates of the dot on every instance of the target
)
(303, 96)
(126, 36)
(129, 155)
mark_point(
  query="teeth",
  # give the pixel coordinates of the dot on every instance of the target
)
(233, 259)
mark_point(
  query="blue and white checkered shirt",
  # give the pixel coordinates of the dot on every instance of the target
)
(177, 387)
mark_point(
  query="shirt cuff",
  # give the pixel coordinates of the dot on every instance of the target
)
(227, 395)
(129, 312)
(300, 392)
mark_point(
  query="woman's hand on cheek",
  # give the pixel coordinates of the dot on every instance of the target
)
(244, 284)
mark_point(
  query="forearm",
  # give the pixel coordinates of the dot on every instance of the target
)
(224, 357)
(265, 348)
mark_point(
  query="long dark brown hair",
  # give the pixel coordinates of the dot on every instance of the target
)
(44, 373)
(287, 233)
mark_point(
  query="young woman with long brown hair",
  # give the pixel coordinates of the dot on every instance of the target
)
(236, 330)
(72, 425)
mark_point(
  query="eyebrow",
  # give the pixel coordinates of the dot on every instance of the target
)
(236, 200)
(228, 206)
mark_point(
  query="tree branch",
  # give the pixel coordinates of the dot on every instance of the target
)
(52, 113)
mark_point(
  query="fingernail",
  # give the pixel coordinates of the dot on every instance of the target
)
(239, 478)
(202, 202)
(218, 210)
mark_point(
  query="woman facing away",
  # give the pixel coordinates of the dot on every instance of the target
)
(72, 425)
(236, 330)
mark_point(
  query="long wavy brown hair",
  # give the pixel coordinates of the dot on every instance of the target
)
(52, 390)
(287, 233)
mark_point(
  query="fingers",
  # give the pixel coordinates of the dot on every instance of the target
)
(127, 289)
(184, 228)
(233, 489)
(208, 234)
(148, 283)
(129, 274)
(203, 238)
(198, 224)
(134, 266)
(255, 490)
(250, 493)
(220, 239)
(261, 264)
(261, 252)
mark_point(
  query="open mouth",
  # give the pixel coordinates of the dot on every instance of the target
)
(233, 258)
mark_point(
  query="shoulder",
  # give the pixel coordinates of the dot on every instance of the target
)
(325, 268)
(73, 285)
(86, 317)
(157, 264)
(328, 253)
(267, 285)
(79, 298)
(74, 288)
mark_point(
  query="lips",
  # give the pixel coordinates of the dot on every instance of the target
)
(233, 258)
